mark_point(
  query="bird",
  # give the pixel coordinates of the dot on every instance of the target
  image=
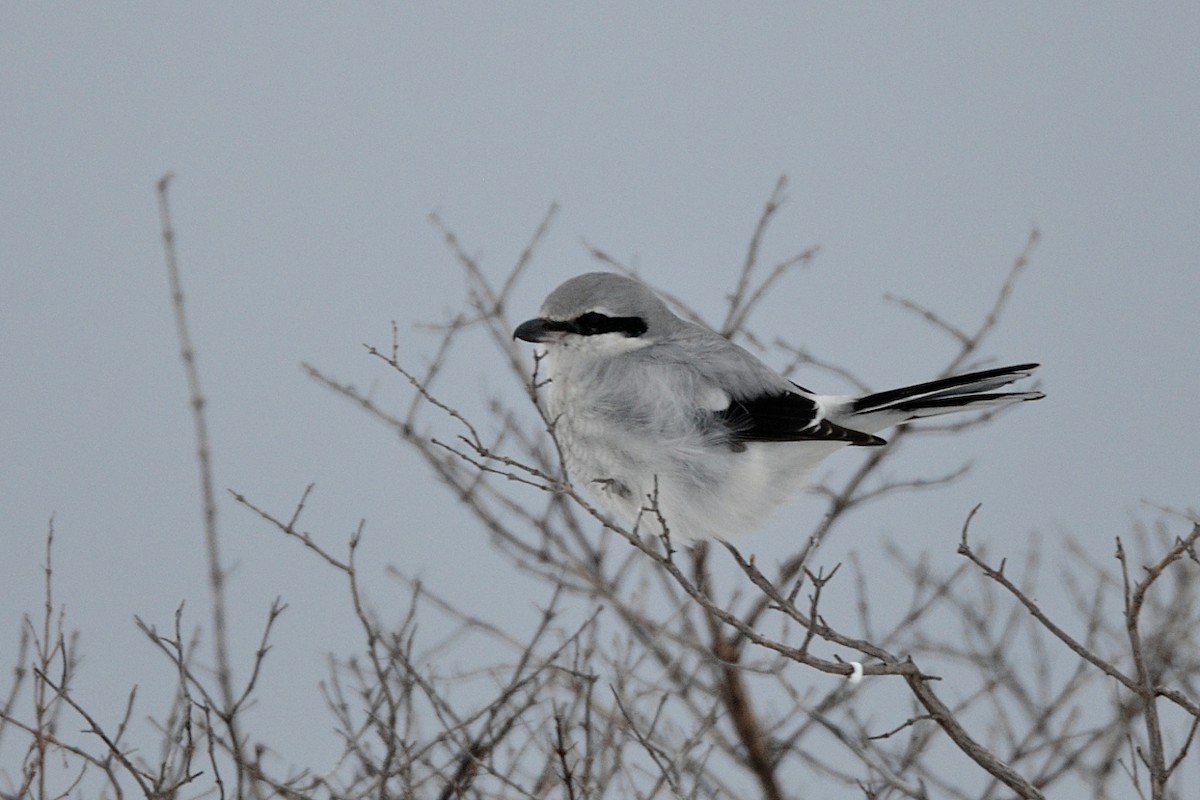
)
(680, 432)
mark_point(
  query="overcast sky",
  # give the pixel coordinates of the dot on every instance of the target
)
(922, 143)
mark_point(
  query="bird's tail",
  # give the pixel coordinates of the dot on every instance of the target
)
(970, 392)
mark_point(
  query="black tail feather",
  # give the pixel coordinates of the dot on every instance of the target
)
(941, 392)
(960, 401)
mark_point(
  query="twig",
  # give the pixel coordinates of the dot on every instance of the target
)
(997, 575)
(216, 572)
(95, 728)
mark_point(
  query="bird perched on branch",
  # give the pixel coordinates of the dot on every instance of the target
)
(672, 426)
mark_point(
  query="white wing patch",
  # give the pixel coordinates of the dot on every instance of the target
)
(713, 399)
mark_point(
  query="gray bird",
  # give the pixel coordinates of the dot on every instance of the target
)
(667, 422)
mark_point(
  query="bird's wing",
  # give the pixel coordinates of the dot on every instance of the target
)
(787, 416)
(751, 402)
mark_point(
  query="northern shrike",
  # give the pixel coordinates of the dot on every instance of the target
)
(668, 422)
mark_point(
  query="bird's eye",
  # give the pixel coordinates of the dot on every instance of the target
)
(592, 323)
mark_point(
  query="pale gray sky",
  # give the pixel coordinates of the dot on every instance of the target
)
(922, 142)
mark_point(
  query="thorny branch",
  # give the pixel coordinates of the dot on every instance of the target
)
(589, 570)
(717, 677)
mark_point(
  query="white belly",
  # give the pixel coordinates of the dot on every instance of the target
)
(698, 489)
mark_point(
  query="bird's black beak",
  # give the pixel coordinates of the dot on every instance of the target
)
(537, 330)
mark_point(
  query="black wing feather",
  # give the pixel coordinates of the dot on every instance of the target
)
(785, 417)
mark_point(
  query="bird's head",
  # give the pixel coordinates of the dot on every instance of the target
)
(600, 312)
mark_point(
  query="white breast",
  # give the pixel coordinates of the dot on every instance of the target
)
(627, 454)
